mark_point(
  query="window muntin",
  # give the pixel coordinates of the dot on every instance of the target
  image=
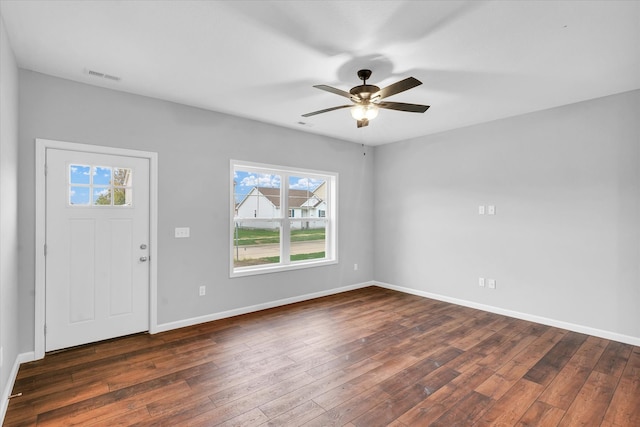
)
(282, 218)
(91, 185)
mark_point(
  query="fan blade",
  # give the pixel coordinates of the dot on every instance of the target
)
(362, 123)
(334, 90)
(401, 106)
(397, 87)
(326, 110)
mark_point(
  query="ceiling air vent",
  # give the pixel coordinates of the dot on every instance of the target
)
(103, 75)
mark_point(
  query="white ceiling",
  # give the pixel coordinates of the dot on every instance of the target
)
(478, 61)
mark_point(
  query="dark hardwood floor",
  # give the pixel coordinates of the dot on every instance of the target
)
(370, 357)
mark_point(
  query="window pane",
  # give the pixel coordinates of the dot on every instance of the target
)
(306, 197)
(102, 196)
(253, 245)
(122, 196)
(102, 176)
(110, 186)
(308, 240)
(79, 174)
(122, 177)
(79, 195)
(257, 195)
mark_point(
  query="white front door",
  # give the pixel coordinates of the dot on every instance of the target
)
(97, 239)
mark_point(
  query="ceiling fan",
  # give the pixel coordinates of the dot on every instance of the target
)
(367, 99)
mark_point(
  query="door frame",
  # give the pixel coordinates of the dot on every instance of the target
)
(40, 231)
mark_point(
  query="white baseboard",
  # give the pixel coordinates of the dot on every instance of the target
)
(253, 308)
(614, 336)
(11, 380)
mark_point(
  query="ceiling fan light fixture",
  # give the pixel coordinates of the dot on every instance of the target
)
(367, 99)
(364, 111)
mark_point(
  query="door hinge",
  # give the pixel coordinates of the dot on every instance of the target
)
(45, 249)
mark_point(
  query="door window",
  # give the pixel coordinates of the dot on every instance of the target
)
(91, 185)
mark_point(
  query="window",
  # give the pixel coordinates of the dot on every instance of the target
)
(283, 218)
(99, 186)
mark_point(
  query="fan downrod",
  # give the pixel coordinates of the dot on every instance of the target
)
(364, 75)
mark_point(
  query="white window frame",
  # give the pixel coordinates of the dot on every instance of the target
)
(331, 218)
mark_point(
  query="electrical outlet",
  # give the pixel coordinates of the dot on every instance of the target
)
(481, 282)
(182, 232)
(491, 209)
(355, 267)
(203, 290)
(492, 284)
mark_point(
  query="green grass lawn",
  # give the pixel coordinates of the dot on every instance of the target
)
(255, 236)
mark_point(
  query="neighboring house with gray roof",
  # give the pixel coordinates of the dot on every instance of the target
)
(264, 202)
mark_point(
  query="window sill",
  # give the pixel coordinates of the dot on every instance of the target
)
(252, 271)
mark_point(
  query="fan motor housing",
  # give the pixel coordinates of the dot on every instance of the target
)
(364, 91)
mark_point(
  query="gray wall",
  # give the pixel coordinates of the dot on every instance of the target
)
(194, 147)
(565, 243)
(8, 207)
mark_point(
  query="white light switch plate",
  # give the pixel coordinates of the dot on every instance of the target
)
(492, 284)
(182, 232)
(491, 209)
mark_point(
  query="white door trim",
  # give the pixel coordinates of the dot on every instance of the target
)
(40, 192)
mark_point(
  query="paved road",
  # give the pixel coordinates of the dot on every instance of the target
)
(262, 251)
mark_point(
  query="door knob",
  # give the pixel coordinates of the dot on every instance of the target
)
(143, 258)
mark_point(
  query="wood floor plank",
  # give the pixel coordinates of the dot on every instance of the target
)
(506, 351)
(364, 382)
(222, 390)
(177, 411)
(466, 412)
(96, 403)
(503, 380)
(541, 414)
(104, 414)
(540, 347)
(251, 418)
(39, 403)
(546, 369)
(476, 335)
(591, 403)
(407, 377)
(344, 361)
(368, 357)
(123, 419)
(614, 359)
(350, 409)
(392, 408)
(297, 416)
(206, 413)
(625, 405)
(316, 388)
(510, 408)
(436, 404)
(562, 391)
